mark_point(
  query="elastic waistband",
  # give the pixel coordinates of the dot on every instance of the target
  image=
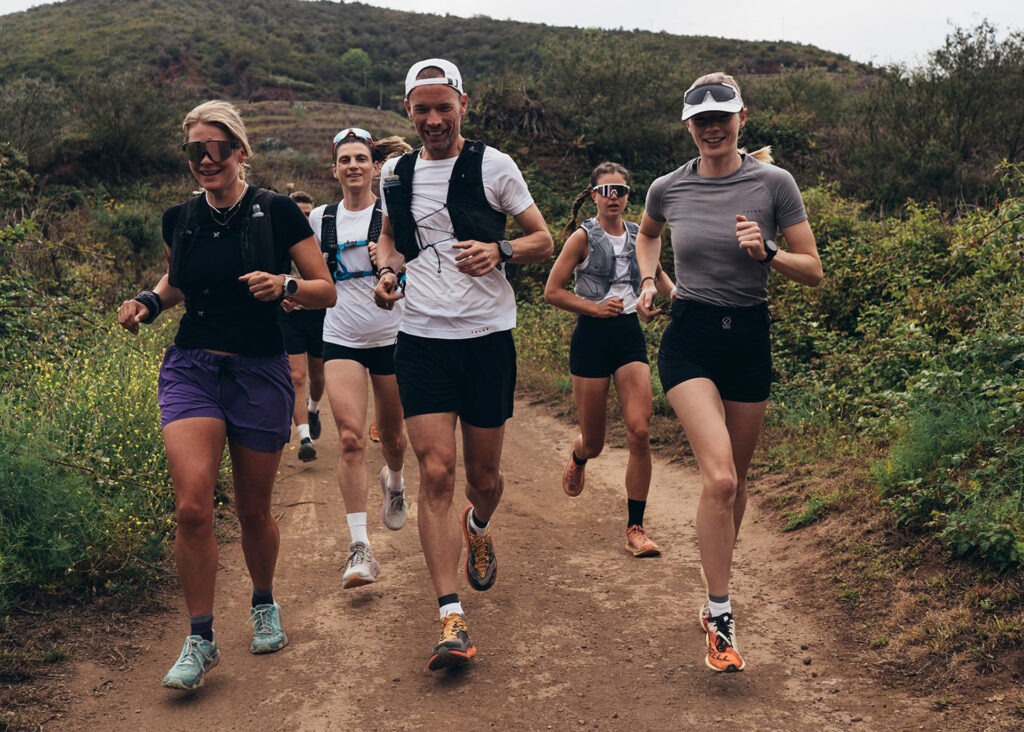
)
(221, 360)
(681, 306)
(621, 317)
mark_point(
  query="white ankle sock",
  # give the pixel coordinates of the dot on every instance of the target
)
(394, 479)
(719, 608)
(303, 430)
(475, 527)
(452, 607)
(357, 527)
(313, 405)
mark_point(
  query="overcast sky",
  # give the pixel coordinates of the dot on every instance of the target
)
(880, 31)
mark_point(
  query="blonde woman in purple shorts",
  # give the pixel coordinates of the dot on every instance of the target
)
(226, 378)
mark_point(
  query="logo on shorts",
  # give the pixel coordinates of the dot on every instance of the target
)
(726, 323)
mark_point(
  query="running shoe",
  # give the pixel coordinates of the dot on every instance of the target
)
(705, 607)
(307, 452)
(267, 634)
(373, 433)
(314, 424)
(395, 509)
(572, 477)
(361, 568)
(481, 564)
(197, 657)
(454, 648)
(722, 652)
(638, 542)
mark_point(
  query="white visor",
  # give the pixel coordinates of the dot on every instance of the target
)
(702, 98)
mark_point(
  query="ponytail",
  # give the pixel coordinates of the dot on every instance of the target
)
(761, 155)
(576, 206)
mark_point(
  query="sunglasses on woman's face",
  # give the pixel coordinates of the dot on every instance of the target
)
(607, 189)
(719, 92)
(217, 150)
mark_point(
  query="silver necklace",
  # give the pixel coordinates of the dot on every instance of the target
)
(230, 211)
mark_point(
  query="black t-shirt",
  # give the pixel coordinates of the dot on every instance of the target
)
(220, 312)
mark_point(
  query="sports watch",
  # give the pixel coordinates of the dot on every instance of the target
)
(291, 285)
(505, 251)
(770, 250)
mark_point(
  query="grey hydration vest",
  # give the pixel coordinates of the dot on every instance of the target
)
(595, 280)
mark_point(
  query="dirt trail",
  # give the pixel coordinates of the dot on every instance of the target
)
(575, 633)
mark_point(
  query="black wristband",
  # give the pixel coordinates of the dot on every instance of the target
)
(648, 277)
(152, 302)
(386, 268)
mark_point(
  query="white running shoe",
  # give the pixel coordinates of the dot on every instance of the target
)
(395, 509)
(361, 568)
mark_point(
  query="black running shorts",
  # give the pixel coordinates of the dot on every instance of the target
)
(599, 346)
(303, 332)
(380, 360)
(473, 377)
(729, 346)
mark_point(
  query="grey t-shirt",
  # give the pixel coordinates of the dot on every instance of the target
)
(710, 267)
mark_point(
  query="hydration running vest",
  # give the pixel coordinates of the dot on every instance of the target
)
(256, 237)
(330, 247)
(595, 280)
(472, 216)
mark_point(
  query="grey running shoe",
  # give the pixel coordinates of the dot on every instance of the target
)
(395, 508)
(314, 424)
(307, 452)
(361, 568)
(267, 634)
(197, 657)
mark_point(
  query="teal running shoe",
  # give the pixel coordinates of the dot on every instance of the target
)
(267, 634)
(197, 657)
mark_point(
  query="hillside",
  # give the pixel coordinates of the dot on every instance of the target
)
(331, 51)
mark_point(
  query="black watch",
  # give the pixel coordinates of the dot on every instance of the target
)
(770, 250)
(291, 285)
(505, 251)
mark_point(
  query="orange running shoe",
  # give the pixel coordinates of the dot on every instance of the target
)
(722, 653)
(454, 648)
(638, 542)
(373, 433)
(572, 477)
(481, 563)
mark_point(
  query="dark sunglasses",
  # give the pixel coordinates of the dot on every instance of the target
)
(607, 189)
(718, 92)
(218, 150)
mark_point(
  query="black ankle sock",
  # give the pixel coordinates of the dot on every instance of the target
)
(636, 512)
(447, 599)
(578, 460)
(262, 597)
(202, 625)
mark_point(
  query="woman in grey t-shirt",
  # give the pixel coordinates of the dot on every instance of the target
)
(725, 209)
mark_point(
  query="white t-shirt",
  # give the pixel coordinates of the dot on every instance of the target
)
(442, 302)
(618, 289)
(355, 320)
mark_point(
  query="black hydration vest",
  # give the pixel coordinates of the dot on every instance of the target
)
(257, 234)
(329, 241)
(472, 216)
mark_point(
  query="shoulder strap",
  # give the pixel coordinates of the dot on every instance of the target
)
(257, 238)
(183, 238)
(329, 236)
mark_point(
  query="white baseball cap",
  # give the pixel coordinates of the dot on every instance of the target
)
(451, 77)
(715, 97)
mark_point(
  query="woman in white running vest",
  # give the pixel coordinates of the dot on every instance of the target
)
(358, 338)
(607, 341)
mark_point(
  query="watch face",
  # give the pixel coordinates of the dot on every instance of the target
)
(291, 286)
(505, 250)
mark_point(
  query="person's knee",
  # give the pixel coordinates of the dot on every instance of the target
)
(193, 515)
(253, 514)
(351, 443)
(720, 487)
(638, 437)
(393, 442)
(484, 479)
(590, 447)
(298, 380)
(437, 479)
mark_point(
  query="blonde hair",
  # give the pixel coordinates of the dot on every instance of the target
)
(761, 155)
(225, 116)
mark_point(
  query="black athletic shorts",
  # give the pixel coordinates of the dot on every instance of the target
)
(599, 346)
(730, 346)
(380, 360)
(303, 332)
(473, 377)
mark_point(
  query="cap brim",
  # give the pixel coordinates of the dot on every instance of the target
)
(730, 105)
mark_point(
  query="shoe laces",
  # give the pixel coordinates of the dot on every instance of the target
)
(451, 625)
(359, 554)
(261, 619)
(723, 629)
(481, 546)
(192, 654)
(637, 534)
(396, 501)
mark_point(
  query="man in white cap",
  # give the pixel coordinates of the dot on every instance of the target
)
(446, 207)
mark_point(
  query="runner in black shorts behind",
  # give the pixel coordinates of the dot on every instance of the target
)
(608, 341)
